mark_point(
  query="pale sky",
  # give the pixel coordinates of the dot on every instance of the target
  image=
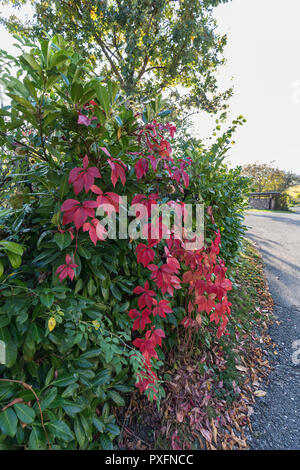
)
(263, 58)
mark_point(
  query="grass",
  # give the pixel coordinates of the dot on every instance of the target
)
(271, 211)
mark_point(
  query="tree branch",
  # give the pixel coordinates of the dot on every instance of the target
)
(113, 65)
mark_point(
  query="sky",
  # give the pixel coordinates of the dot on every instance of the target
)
(263, 56)
(263, 66)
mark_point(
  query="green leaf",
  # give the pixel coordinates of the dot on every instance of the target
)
(48, 398)
(64, 187)
(36, 439)
(1, 268)
(103, 377)
(105, 442)
(65, 380)
(94, 352)
(7, 391)
(24, 413)
(99, 425)
(79, 433)
(115, 292)
(78, 286)
(71, 408)
(61, 430)
(124, 307)
(47, 299)
(84, 252)
(105, 292)
(58, 59)
(49, 376)
(76, 91)
(116, 397)
(15, 260)
(30, 87)
(12, 247)
(91, 287)
(4, 320)
(63, 240)
(103, 97)
(19, 99)
(113, 429)
(44, 234)
(32, 62)
(70, 390)
(8, 422)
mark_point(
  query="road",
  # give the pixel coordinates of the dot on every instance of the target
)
(276, 419)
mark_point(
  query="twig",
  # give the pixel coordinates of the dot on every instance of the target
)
(14, 402)
(34, 152)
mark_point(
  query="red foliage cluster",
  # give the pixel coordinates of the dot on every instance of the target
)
(159, 150)
(205, 274)
(67, 270)
(171, 266)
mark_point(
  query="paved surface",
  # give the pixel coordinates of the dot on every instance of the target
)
(276, 419)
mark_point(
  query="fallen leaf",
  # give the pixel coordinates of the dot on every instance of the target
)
(215, 431)
(260, 393)
(179, 416)
(206, 434)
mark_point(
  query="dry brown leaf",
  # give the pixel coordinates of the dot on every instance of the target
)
(179, 416)
(214, 431)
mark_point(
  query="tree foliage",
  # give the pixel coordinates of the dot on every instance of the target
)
(267, 177)
(146, 46)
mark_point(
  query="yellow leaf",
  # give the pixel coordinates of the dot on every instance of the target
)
(51, 323)
(260, 393)
(55, 219)
(96, 324)
(93, 15)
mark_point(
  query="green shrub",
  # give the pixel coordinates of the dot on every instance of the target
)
(69, 359)
(282, 202)
(72, 345)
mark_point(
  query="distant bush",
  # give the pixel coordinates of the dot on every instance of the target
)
(294, 194)
(282, 202)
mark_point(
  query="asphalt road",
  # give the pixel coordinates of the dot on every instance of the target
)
(276, 418)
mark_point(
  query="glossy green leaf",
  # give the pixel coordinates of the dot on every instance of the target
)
(24, 413)
(8, 422)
